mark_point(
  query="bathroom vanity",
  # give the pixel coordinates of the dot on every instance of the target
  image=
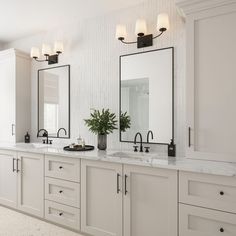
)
(119, 193)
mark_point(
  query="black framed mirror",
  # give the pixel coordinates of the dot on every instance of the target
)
(54, 101)
(147, 95)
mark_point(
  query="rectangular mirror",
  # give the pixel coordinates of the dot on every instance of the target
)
(147, 96)
(54, 101)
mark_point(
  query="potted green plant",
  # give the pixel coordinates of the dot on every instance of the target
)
(125, 121)
(102, 123)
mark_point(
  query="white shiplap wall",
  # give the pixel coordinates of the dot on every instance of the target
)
(93, 53)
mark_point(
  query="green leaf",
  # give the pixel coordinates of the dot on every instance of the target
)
(103, 122)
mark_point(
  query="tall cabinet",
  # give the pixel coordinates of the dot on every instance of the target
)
(211, 78)
(15, 90)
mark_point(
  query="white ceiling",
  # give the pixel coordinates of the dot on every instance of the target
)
(21, 18)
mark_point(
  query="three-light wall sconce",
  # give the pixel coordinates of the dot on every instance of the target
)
(144, 39)
(50, 56)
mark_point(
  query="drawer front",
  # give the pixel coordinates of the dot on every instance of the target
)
(62, 168)
(197, 221)
(216, 192)
(62, 191)
(63, 215)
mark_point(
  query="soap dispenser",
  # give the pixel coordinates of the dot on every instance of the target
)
(27, 138)
(171, 149)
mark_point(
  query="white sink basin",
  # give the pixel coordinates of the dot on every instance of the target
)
(32, 145)
(133, 155)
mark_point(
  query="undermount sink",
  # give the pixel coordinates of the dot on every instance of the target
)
(32, 145)
(133, 155)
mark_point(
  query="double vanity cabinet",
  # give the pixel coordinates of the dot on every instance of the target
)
(108, 197)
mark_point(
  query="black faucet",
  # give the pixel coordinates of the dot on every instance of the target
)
(149, 133)
(58, 132)
(141, 142)
(45, 134)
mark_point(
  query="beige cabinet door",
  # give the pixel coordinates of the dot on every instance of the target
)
(101, 198)
(150, 201)
(31, 183)
(210, 83)
(8, 179)
(8, 98)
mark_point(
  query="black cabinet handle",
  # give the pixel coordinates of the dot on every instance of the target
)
(17, 165)
(60, 167)
(13, 165)
(222, 230)
(126, 177)
(12, 129)
(118, 183)
(60, 214)
(60, 191)
(189, 136)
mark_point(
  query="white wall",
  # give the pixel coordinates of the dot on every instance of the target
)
(93, 52)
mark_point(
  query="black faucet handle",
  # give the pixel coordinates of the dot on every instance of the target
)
(50, 141)
(135, 148)
(147, 149)
(44, 141)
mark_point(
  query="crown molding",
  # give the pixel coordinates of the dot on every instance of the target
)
(186, 7)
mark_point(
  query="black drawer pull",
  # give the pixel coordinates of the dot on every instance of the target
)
(222, 230)
(118, 183)
(60, 167)
(126, 177)
(17, 165)
(60, 191)
(60, 214)
(222, 193)
(13, 166)
(189, 136)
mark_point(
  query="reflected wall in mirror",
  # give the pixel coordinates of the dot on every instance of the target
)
(146, 95)
(54, 101)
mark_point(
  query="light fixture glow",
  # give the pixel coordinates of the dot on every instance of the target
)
(58, 47)
(141, 27)
(121, 32)
(50, 57)
(163, 22)
(35, 52)
(144, 39)
(46, 50)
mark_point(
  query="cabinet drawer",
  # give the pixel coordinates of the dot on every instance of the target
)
(62, 168)
(211, 191)
(197, 221)
(62, 191)
(63, 215)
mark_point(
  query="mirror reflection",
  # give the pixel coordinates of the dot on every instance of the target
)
(54, 101)
(146, 95)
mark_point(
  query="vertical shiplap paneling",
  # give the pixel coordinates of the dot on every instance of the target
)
(93, 52)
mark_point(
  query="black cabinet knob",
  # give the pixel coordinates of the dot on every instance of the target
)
(60, 191)
(222, 230)
(222, 193)
(60, 167)
(60, 214)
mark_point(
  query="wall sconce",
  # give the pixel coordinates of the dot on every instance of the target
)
(144, 40)
(47, 52)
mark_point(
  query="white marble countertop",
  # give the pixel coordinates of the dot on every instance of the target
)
(154, 160)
